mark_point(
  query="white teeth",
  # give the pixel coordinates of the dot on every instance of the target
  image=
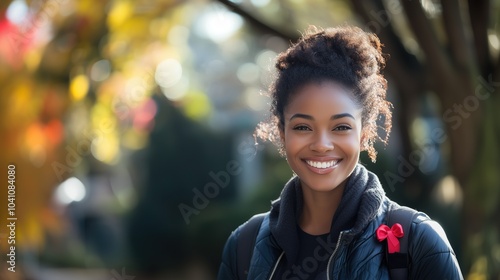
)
(321, 164)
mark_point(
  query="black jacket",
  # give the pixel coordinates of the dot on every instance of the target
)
(354, 252)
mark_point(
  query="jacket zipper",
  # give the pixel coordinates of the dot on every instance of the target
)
(331, 257)
(329, 261)
(276, 265)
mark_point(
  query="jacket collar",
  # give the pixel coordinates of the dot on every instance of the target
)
(360, 204)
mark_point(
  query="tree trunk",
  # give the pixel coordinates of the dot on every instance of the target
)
(481, 225)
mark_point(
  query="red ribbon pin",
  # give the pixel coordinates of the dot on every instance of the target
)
(391, 234)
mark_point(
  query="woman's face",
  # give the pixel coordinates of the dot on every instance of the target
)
(322, 135)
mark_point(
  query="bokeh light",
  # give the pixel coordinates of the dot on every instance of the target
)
(168, 73)
(101, 70)
(218, 24)
(17, 12)
(71, 190)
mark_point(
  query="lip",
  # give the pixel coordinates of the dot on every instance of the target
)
(322, 171)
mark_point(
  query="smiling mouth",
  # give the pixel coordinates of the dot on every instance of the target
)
(322, 164)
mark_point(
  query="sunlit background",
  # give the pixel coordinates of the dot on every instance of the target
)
(130, 125)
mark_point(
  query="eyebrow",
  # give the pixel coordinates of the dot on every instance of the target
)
(334, 117)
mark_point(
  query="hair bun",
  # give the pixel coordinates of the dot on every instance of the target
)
(349, 48)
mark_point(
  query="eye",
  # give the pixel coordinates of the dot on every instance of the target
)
(301, 128)
(342, 128)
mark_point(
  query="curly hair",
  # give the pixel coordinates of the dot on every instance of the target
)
(346, 55)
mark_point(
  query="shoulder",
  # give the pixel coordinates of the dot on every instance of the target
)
(261, 221)
(428, 237)
(426, 233)
(431, 255)
(228, 267)
(430, 251)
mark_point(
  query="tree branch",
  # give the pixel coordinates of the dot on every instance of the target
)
(428, 41)
(459, 37)
(479, 12)
(254, 21)
(461, 45)
(406, 67)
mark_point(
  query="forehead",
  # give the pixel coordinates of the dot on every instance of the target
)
(324, 98)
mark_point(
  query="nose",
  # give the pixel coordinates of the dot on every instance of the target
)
(322, 142)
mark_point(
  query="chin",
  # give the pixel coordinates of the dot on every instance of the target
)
(321, 185)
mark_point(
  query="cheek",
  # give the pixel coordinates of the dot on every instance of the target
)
(291, 143)
(294, 143)
(351, 143)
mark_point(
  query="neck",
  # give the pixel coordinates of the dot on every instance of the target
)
(319, 209)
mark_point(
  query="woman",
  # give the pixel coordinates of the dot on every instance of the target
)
(326, 100)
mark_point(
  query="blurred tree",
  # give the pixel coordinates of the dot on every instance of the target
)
(180, 159)
(448, 50)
